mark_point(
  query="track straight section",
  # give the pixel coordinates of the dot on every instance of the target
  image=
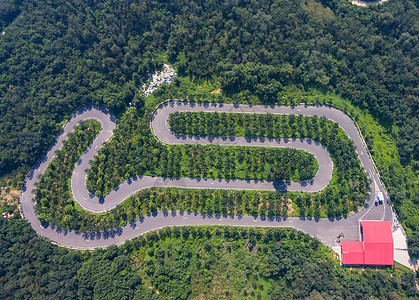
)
(324, 229)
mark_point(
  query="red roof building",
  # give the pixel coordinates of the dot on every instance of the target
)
(352, 253)
(375, 249)
(378, 243)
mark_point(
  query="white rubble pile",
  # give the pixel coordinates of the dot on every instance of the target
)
(164, 77)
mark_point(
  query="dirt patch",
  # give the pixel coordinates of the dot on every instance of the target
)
(225, 246)
(9, 196)
(290, 208)
(9, 202)
(317, 10)
(255, 249)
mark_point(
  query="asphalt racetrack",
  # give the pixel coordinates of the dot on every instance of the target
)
(325, 229)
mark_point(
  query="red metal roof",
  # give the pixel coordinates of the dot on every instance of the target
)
(377, 231)
(376, 249)
(378, 243)
(352, 253)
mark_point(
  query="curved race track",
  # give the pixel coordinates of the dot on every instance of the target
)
(320, 228)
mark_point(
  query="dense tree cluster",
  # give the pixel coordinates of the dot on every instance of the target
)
(189, 262)
(80, 52)
(9, 10)
(109, 275)
(31, 266)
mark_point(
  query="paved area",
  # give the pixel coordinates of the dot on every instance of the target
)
(323, 229)
(400, 249)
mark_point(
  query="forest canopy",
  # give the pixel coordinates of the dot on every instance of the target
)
(195, 262)
(96, 52)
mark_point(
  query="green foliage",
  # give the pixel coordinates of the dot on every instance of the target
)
(31, 266)
(401, 179)
(413, 244)
(189, 262)
(253, 78)
(133, 150)
(273, 263)
(350, 181)
(120, 281)
(76, 53)
(80, 52)
(9, 10)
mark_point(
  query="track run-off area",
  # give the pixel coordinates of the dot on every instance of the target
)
(325, 229)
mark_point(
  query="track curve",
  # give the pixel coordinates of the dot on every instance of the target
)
(159, 125)
(319, 228)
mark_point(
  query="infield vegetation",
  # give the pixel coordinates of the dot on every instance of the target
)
(134, 150)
